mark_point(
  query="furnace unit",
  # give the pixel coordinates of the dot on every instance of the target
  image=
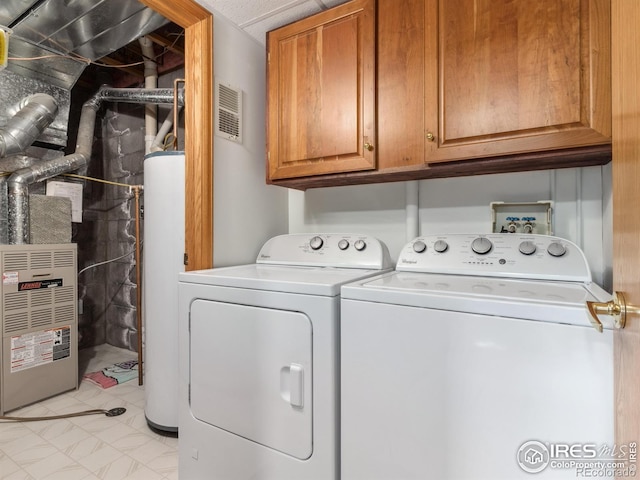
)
(39, 321)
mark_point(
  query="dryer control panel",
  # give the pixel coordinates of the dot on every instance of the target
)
(326, 250)
(540, 257)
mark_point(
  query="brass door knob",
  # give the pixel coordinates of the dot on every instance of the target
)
(430, 137)
(368, 146)
(616, 308)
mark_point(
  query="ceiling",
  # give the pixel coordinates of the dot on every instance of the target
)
(257, 17)
(106, 32)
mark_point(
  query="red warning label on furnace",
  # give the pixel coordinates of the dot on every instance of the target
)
(38, 284)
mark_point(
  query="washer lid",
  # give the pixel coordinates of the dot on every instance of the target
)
(323, 281)
(557, 302)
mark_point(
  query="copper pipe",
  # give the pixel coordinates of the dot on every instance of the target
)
(175, 111)
(136, 191)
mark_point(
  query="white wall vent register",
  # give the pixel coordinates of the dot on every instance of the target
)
(228, 114)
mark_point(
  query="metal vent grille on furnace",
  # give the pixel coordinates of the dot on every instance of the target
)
(228, 118)
(39, 323)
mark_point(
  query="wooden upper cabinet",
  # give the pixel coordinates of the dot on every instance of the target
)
(321, 93)
(516, 76)
(463, 87)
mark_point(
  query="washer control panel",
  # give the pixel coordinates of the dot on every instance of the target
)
(326, 250)
(530, 256)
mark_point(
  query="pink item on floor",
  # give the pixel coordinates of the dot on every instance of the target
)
(114, 374)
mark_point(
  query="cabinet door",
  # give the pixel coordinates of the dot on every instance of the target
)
(321, 81)
(401, 83)
(516, 76)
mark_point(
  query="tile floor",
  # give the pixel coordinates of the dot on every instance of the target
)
(90, 447)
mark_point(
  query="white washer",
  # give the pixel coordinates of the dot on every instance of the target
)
(473, 347)
(259, 381)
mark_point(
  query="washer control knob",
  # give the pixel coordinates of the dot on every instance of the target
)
(359, 245)
(556, 249)
(440, 246)
(316, 243)
(343, 244)
(527, 248)
(481, 245)
(419, 246)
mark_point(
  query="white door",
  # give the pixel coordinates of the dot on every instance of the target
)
(251, 374)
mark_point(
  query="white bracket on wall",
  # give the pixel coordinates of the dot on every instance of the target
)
(522, 217)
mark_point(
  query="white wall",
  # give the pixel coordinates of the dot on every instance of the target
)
(247, 212)
(581, 213)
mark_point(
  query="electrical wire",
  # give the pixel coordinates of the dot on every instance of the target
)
(114, 412)
(108, 261)
(88, 61)
(108, 182)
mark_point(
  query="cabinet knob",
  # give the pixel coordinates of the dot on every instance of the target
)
(368, 146)
(430, 136)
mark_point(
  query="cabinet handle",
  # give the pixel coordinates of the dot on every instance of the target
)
(430, 137)
(368, 146)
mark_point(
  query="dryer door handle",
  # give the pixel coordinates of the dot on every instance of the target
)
(297, 385)
(292, 384)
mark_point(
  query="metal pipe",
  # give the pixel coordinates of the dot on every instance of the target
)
(16, 162)
(35, 113)
(4, 212)
(136, 191)
(139, 95)
(175, 111)
(18, 183)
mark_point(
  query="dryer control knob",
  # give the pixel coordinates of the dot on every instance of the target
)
(419, 246)
(527, 248)
(440, 246)
(481, 245)
(316, 243)
(556, 249)
(359, 245)
(343, 244)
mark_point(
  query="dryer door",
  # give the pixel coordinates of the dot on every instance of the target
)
(251, 373)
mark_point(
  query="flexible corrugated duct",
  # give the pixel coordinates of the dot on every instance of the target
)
(18, 183)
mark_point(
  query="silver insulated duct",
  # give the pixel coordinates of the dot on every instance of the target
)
(33, 115)
(18, 183)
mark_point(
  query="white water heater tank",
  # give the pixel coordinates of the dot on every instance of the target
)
(163, 260)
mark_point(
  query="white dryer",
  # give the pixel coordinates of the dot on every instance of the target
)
(475, 359)
(259, 380)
